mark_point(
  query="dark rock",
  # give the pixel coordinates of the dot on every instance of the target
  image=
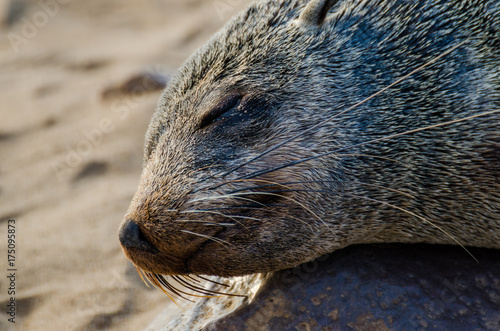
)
(93, 168)
(137, 85)
(389, 287)
(10, 11)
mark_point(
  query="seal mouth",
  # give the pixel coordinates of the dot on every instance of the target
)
(144, 254)
(147, 257)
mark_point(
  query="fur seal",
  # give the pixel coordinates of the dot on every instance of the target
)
(303, 127)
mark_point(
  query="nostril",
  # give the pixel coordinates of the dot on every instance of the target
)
(131, 236)
(140, 235)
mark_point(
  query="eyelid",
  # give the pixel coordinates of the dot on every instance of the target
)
(225, 105)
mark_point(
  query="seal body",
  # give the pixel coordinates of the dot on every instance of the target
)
(303, 127)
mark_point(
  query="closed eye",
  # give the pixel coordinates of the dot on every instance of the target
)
(227, 104)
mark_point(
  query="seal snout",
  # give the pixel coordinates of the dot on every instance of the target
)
(131, 236)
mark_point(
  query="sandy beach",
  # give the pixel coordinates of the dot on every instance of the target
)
(71, 153)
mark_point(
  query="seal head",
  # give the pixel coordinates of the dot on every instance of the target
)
(279, 141)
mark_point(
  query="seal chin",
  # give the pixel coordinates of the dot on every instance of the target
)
(145, 255)
(206, 264)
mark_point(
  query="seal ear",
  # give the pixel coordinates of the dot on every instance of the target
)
(315, 12)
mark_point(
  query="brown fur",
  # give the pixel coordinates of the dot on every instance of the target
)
(256, 159)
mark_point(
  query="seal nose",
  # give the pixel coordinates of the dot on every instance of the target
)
(131, 236)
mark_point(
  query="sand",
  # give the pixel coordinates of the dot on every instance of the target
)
(70, 159)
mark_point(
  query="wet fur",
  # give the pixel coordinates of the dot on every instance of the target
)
(439, 185)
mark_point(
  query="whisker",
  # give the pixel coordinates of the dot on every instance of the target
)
(201, 290)
(289, 164)
(302, 221)
(248, 217)
(140, 272)
(227, 196)
(204, 290)
(207, 212)
(210, 187)
(156, 284)
(206, 293)
(422, 129)
(210, 280)
(322, 181)
(374, 157)
(217, 240)
(254, 206)
(254, 218)
(205, 222)
(378, 201)
(276, 183)
(405, 211)
(287, 198)
(238, 196)
(423, 66)
(423, 219)
(207, 167)
(233, 217)
(162, 282)
(190, 277)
